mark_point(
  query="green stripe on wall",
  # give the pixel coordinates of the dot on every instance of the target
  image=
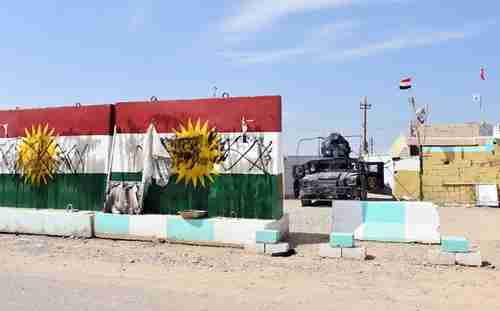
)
(242, 196)
(83, 191)
(115, 176)
(235, 195)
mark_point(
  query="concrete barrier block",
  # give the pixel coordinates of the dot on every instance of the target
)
(116, 224)
(237, 231)
(148, 226)
(282, 225)
(469, 259)
(49, 222)
(422, 222)
(340, 239)
(358, 253)
(7, 219)
(326, 251)
(267, 236)
(28, 221)
(454, 244)
(189, 229)
(61, 223)
(255, 248)
(278, 248)
(346, 215)
(438, 257)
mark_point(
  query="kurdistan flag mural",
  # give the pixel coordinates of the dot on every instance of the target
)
(54, 157)
(220, 155)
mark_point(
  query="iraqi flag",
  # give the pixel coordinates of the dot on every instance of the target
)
(405, 84)
(482, 74)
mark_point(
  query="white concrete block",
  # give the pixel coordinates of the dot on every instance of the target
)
(325, 250)
(6, 220)
(255, 248)
(282, 225)
(469, 259)
(422, 222)
(50, 222)
(422, 233)
(438, 257)
(148, 226)
(278, 248)
(358, 253)
(61, 223)
(237, 231)
(28, 221)
(346, 216)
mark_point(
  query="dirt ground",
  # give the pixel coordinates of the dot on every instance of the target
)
(47, 273)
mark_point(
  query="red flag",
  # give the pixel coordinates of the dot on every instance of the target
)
(482, 74)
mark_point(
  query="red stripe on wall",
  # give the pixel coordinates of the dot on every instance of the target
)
(67, 121)
(223, 113)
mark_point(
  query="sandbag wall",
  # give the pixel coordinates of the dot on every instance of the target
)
(83, 136)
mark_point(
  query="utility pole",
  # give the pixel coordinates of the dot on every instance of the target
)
(365, 107)
(371, 145)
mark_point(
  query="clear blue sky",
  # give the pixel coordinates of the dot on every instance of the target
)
(322, 56)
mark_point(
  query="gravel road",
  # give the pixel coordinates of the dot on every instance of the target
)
(47, 273)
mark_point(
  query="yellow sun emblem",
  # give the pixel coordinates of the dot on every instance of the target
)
(37, 155)
(195, 151)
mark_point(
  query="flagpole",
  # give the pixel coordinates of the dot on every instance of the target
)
(417, 126)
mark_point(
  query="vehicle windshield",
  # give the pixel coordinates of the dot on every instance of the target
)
(328, 166)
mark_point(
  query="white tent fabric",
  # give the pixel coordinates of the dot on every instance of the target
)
(155, 163)
(127, 197)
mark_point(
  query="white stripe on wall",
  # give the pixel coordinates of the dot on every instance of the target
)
(82, 154)
(265, 153)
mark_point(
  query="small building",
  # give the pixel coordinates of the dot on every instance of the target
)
(457, 159)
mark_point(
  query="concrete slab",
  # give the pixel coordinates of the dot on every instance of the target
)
(346, 215)
(454, 244)
(255, 248)
(46, 222)
(112, 224)
(358, 253)
(438, 257)
(278, 248)
(326, 251)
(267, 236)
(282, 225)
(472, 259)
(237, 231)
(341, 239)
(148, 225)
(182, 229)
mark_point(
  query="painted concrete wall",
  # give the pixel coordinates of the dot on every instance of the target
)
(387, 221)
(250, 183)
(46, 222)
(219, 229)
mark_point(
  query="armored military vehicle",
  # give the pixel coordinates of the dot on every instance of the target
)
(336, 176)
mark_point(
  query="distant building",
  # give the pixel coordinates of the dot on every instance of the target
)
(457, 158)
